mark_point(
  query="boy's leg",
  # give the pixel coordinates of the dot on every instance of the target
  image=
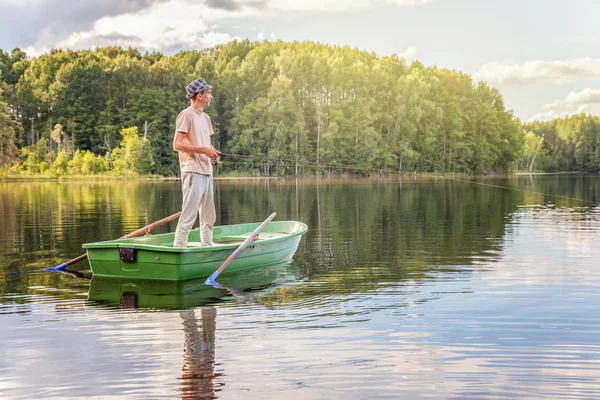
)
(207, 212)
(191, 198)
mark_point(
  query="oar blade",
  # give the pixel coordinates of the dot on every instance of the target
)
(59, 268)
(211, 281)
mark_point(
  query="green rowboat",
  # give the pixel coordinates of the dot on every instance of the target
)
(154, 257)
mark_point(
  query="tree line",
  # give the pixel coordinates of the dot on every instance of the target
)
(288, 107)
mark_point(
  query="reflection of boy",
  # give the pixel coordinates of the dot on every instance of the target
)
(192, 142)
(197, 372)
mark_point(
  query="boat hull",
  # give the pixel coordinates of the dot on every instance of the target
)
(162, 294)
(153, 257)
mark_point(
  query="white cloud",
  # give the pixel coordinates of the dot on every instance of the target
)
(23, 3)
(585, 101)
(410, 54)
(547, 72)
(167, 26)
(337, 5)
(172, 25)
(36, 51)
(410, 2)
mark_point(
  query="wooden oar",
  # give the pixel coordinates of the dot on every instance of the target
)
(250, 239)
(145, 230)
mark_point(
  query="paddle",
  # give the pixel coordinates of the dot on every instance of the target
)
(211, 279)
(146, 229)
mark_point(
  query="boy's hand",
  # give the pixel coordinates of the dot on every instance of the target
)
(211, 152)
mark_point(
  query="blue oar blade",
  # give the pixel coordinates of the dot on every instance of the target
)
(211, 280)
(59, 268)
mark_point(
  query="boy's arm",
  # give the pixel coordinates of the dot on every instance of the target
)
(182, 143)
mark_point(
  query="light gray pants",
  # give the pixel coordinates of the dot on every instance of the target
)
(198, 199)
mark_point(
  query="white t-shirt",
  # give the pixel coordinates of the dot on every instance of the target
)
(198, 128)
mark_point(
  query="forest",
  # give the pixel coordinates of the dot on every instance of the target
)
(280, 108)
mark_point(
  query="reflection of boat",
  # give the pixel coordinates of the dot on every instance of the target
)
(154, 257)
(152, 293)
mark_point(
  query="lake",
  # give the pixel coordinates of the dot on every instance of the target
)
(402, 288)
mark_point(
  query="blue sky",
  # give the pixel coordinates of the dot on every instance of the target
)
(544, 56)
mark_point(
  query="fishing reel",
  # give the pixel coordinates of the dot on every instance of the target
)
(217, 163)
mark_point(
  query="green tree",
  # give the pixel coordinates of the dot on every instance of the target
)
(8, 131)
(61, 164)
(78, 96)
(532, 147)
(133, 155)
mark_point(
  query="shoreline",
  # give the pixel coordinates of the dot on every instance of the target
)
(412, 175)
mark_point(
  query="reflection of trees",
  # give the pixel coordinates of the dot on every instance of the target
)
(367, 221)
(568, 187)
(368, 232)
(50, 215)
(67, 210)
(198, 370)
(45, 223)
(371, 229)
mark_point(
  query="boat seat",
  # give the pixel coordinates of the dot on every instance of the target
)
(238, 239)
(194, 244)
(199, 244)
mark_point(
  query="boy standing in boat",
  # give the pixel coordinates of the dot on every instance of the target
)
(196, 153)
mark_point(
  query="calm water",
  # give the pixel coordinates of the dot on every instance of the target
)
(400, 289)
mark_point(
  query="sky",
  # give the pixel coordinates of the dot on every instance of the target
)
(543, 55)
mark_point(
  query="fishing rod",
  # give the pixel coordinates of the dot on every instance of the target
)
(520, 190)
(305, 163)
